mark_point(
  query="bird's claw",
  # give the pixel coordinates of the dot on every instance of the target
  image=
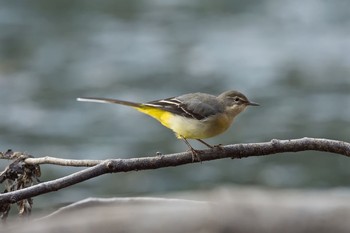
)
(195, 155)
(219, 147)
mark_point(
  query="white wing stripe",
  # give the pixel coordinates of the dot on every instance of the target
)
(169, 102)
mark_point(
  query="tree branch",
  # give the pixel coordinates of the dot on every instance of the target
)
(63, 162)
(146, 163)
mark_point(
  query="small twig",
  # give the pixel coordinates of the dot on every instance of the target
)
(63, 162)
(144, 163)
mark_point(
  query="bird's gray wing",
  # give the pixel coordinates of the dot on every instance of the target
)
(195, 105)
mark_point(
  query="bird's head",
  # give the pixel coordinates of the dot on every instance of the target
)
(235, 102)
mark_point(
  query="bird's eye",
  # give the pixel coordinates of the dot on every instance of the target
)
(237, 99)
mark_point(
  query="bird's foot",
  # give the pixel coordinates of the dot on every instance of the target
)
(219, 147)
(195, 155)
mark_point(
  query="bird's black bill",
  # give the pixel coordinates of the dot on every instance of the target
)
(253, 104)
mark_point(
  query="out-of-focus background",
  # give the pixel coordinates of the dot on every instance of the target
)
(293, 57)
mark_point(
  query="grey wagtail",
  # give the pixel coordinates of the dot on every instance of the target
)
(191, 116)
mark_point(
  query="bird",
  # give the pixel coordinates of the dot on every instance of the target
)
(191, 116)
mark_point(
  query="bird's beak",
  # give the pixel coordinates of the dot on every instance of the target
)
(253, 104)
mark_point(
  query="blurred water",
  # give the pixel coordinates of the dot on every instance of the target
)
(293, 57)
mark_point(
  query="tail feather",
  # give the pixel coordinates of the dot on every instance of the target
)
(109, 101)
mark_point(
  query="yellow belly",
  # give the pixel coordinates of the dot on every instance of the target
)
(189, 128)
(199, 129)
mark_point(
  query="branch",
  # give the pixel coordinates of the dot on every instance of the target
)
(146, 163)
(10, 155)
(63, 162)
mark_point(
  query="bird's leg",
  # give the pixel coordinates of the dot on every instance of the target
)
(208, 145)
(195, 153)
(219, 146)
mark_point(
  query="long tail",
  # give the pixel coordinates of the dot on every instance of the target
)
(161, 115)
(109, 101)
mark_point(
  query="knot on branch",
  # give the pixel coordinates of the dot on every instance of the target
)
(275, 142)
(110, 165)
